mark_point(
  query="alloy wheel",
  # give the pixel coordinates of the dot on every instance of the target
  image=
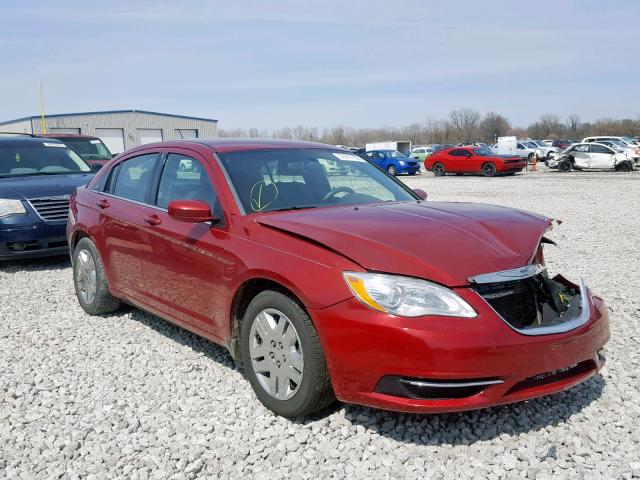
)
(86, 276)
(276, 354)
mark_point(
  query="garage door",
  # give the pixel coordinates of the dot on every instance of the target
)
(113, 138)
(186, 133)
(149, 135)
(75, 131)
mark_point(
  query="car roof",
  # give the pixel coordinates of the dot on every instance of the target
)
(24, 140)
(224, 145)
(69, 135)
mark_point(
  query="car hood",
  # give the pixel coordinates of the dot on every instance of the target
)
(42, 185)
(443, 242)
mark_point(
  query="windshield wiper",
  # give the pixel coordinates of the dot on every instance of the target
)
(31, 174)
(295, 207)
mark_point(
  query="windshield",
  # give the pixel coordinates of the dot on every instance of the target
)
(393, 154)
(47, 158)
(286, 179)
(88, 148)
(483, 152)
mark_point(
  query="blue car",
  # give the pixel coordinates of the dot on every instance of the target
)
(393, 161)
(37, 177)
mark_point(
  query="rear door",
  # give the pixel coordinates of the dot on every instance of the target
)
(185, 263)
(120, 209)
(601, 157)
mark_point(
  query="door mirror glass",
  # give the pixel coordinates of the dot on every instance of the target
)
(421, 193)
(194, 211)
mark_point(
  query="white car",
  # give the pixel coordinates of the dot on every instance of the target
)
(523, 150)
(590, 156)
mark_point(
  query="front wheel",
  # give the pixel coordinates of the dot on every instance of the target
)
(564, 166)
(90, 280)
(625, 167)
(282, 356)
(392, 170)
(438, 170)
(488, 170)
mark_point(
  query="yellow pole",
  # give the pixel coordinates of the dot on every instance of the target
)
(44, 126)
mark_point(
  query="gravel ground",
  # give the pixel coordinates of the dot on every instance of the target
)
(132, 396)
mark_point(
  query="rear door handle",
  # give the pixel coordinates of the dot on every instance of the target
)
(152, 219)
(102, 203)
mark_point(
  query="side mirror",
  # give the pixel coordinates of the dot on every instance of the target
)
(96, 167)
(421, 193)
(193, 211)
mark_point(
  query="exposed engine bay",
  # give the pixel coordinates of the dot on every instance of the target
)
(528, 299)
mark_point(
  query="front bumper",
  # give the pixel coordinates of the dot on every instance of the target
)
(40, 239)
(364, 347)
(408, 168)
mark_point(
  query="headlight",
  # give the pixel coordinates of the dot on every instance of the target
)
(10, 207)
(405, 296)
(401, 162)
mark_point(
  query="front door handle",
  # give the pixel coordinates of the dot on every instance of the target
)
(152, 219)
(102, 203)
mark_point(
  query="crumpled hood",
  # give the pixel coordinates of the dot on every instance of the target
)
(36, 186)
(442, 242)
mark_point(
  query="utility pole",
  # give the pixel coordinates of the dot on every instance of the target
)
(44, 126)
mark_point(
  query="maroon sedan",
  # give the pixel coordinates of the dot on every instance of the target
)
(460, 160)
(326, 277)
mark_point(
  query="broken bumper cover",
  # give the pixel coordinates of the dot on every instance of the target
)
(444, 364)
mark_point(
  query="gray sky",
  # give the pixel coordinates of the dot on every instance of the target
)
(356, 63)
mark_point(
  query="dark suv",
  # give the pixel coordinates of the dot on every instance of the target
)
(37, 177)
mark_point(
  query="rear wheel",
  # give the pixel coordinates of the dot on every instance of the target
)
(282, 356)
(90, 280)
(438, 169)
(392, 170)
(488, 169)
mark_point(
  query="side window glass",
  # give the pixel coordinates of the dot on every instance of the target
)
(134, 178)
(600, 149)
(184, 178)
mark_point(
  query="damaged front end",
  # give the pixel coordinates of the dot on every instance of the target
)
(531, 302)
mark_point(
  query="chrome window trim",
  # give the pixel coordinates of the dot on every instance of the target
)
(585, 314)
(508, 275)
(421, 383)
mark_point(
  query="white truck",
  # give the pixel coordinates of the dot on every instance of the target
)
(402, 147)
(506, 146)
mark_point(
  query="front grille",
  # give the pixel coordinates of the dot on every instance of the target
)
(515, 301)
(532, 302)
(51, 209)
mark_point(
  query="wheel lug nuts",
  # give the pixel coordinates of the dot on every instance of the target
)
(273, 343)
(278, 364)
(271, 355)
(281, 345)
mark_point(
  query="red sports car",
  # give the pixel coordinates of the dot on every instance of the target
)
(320, 284)
(460, 160)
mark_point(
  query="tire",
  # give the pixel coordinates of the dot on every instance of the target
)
(438, 169)
(625, 167)
(90, 281)
(392, 170)
(564, 166)
(488, 169)
(459, 174)
(262, 319)
(530, 157)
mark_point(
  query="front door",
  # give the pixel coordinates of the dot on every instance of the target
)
(581, 157)
(185, 266)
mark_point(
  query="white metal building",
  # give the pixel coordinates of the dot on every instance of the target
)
(119, 129)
